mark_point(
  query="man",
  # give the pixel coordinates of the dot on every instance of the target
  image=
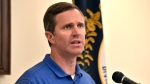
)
(65, 31)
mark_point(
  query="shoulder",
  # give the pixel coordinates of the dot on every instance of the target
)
(85, 74)
(87, 77)
(28, 75)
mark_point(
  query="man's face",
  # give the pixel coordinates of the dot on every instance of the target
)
(69, 34)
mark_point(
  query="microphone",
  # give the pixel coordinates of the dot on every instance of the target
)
(119, 77)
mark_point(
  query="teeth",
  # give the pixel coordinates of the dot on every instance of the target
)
(76, 42)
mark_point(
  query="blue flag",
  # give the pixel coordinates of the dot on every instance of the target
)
(92, 60)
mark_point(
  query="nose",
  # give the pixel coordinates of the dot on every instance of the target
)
(75, 32)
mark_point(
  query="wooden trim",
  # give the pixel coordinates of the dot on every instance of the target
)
(5, 37)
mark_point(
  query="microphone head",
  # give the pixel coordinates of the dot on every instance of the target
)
(117, 76)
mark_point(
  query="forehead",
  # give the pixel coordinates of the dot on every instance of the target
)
(70, 15)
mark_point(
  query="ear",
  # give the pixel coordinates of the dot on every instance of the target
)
(50, 37)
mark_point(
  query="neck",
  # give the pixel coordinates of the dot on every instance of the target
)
(66, 63)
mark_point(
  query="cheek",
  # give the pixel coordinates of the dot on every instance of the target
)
(83, 34)
(83, 39)
(62, 40)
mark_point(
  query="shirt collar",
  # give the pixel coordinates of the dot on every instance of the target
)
(56, 69)
(78, 70)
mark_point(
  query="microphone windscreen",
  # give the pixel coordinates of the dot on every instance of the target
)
(117, 76)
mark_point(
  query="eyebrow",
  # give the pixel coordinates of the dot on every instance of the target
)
(82, 23)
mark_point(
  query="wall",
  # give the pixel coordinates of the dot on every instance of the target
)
(126, 34)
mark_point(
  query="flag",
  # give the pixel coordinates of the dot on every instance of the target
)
(92, 59)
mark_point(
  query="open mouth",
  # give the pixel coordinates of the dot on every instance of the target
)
(76, 42)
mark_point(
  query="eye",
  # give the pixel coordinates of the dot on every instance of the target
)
(80, 25)
(68, 26)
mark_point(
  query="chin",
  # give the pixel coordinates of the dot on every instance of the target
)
(77, 53)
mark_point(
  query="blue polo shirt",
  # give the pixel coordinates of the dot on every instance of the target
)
(48, 72)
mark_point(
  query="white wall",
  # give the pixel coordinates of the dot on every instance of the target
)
(127, 39)
(126, 34)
